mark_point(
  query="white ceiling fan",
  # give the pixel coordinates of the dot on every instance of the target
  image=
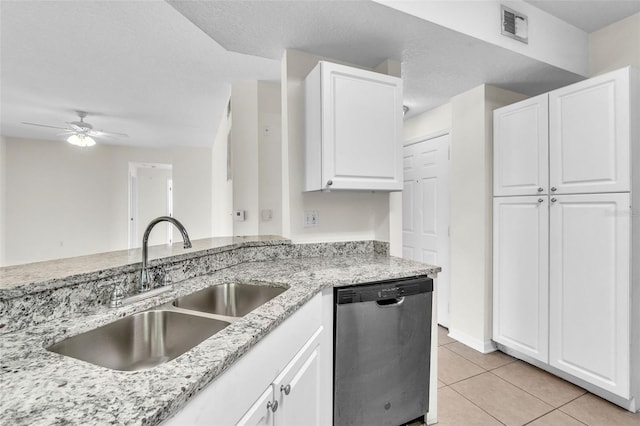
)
(80, 132)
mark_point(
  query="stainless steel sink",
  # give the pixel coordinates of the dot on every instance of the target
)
(140, 341)
(232, 299)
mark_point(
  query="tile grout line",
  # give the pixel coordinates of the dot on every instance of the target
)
(479, 407)
(569, 402)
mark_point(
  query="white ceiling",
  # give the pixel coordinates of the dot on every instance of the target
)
(142, 68)
(588, 15)
(136, 67)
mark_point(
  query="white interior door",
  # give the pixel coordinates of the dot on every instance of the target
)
(425, 211)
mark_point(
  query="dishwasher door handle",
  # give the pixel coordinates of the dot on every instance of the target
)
(388, 303)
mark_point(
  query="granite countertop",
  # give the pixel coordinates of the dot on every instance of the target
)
(40, 387)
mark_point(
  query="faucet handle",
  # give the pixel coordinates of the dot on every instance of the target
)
(117, 295)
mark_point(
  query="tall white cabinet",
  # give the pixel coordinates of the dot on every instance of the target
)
(565, 296)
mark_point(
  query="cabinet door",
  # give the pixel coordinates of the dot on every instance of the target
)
(590, 289)
(521, 148)
(589, 135)
(260, 413)
(361, 129)
(298, 387)
(520, 274)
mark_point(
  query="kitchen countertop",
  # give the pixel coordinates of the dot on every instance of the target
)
(41, 387)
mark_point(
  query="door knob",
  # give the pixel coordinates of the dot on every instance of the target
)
(554, 189)
(285, 389)
(329, 182)
(553, 200)
(540, 189)
(540, 200)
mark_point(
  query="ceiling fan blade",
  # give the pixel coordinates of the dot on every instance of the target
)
(105, 133)
(75, 126)
(51, 127)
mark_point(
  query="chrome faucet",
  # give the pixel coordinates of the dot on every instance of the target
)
(144, 284)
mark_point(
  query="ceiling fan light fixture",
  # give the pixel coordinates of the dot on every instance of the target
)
(81, 140)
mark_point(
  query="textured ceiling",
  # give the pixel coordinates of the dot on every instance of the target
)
(139, 68)
(143, 68)
(590, 15)
(437, 63)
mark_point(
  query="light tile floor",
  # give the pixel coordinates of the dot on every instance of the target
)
(496, 389)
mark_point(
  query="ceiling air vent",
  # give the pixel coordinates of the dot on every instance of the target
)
(514, 24)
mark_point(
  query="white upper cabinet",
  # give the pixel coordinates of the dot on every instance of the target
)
(589, 128)
(353, 122)
(521, 141)
(590, 288)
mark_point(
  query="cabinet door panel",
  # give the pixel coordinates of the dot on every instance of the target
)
(259, 414)
(589, 135)
(521, 148)
(361, 129)
(298, 387)
(589, 288)
(520, 274)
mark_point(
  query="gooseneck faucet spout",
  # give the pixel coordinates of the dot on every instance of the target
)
(144, 283)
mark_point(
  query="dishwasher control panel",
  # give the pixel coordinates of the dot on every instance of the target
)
(383, 290)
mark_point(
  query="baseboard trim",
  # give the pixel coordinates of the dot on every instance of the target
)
(485, 347)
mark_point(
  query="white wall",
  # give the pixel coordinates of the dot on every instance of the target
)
(2, 200)
(615, 46)
(270, 157)
(551, 40)
(245, 156)
(221, 183)
(257, 159)
(65, 201)
(342, 215)
(471, 212)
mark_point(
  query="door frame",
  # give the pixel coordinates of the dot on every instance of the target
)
(134, 196)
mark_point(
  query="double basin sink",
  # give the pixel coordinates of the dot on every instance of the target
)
(156, 336)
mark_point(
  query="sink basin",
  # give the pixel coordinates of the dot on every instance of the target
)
(140, 341)
(232, 299)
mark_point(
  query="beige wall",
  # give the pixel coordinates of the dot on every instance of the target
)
(64, 201)
(615, 46)
(342, 215)
(471, 212)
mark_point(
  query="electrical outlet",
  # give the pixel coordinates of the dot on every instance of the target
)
(266, 214)
(311, 218)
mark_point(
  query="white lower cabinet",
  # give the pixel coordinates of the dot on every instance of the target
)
(589, 288)
(286, 379)
(294, 396)
(562, 287)
(260, 412)
(520, 274)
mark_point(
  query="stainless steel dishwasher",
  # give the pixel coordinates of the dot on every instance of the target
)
(382, 352)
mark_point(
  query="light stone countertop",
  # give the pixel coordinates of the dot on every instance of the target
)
(33, 277)
(39, 387)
